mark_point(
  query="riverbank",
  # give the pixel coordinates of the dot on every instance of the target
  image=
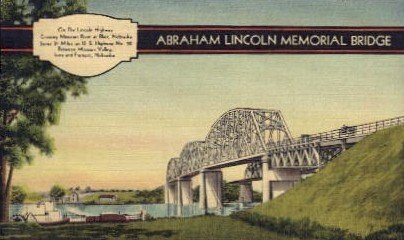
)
(204, 227)
(154, 196)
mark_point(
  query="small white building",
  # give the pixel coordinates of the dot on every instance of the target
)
(74, 197)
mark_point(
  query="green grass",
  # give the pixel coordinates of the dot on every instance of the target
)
(122, 197)
(362, 190)
(207, 227)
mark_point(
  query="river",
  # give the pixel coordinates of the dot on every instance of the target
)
(154, 210)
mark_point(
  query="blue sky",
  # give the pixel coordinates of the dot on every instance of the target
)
(140, 114)
(342, 12)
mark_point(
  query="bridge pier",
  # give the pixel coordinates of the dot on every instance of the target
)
(283, 181)
(179, 192)
(275, 182)
(246, 192)
(265, 179)
(184, 194)
(170, 196)
(210, 190)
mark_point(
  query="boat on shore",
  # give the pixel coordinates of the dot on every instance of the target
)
(46, 214)
(115, 217)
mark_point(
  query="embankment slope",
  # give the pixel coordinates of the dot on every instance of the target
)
(362, 190)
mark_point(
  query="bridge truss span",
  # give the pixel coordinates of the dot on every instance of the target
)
(241, 133)
(300, 155)
(315, 150)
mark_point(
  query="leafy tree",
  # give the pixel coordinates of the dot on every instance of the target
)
(31, 93)
(57, 192)
(257, 196)
(149, 196)
(230, 192)
(87, 189)
(195, 194)
(18, 194)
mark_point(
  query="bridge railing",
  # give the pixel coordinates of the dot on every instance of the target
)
(347, 132)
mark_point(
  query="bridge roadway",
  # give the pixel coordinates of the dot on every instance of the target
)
(260, 139)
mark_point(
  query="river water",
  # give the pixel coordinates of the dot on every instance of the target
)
(155, 210)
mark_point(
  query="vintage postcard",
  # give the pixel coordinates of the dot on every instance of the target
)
(202, 119)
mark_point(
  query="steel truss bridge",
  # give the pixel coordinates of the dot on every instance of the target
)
(246, 135)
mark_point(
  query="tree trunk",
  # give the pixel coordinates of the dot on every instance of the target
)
(4, 192)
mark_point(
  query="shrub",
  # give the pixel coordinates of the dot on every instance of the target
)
(149, 217)
(91, 202)
(393, 232)
(18, 194)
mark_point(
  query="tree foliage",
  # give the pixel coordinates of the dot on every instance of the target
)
(87, 189)
(57, 192)
(230, 193)
(195, 194)
(24, 12)
(18, 194)
(149, 196)
(31, 92)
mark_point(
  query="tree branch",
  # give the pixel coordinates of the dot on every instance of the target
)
(4, 118)
(12, 116)
(7, 120)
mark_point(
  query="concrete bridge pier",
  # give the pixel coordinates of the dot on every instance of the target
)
(265, 179)
(210, 190)
(180, 193)
(184, 194)
(277, 181)
(170, 194)
(246, 193)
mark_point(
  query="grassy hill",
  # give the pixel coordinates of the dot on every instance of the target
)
(362, 190)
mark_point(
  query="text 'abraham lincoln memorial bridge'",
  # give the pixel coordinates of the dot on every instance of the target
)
(260, 139)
